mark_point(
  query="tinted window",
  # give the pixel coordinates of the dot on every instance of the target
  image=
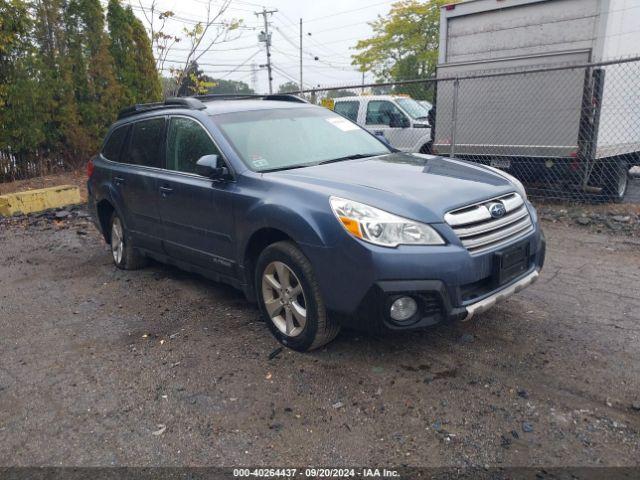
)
(188, 141)
(146, 143)
(277, 138)
(347, 109)
(380, 112)
(113, 146)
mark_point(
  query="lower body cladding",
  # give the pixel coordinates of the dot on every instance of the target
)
(464, 290)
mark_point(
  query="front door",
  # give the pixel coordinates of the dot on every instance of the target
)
(379, 117)
(196, 211)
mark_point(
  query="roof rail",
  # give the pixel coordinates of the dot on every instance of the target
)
(171, 102)
(281, 97)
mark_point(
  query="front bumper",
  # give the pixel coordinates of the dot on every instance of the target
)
(460, 288)
(505, 292)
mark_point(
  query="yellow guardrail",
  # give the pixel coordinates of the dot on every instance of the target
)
(38, 200)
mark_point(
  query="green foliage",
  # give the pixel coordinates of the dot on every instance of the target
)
(130, 48)
(341, 93)
(289, 87)
(63, 78)
(194, 81)
(221, 86)
(96, 90)
(21, 130)
(405, 43)
(14, 29)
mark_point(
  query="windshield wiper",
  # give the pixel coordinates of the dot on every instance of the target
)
(355, 156)
(289, 167)
(332, 160)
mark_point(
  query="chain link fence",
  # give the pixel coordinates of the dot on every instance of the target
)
(569, 132)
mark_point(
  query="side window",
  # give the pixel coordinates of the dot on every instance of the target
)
(188, 141)
(113, 146)
(347, 109)
(146, 143)
(380, 112)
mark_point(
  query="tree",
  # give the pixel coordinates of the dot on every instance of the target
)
(97, 92)
(405, 43)
(63, 131)
(21, 125)
(341, 93)
(289, 87)
(221, 86)
(212, 30)
(133, 58)
(194, 82)
(14, 29)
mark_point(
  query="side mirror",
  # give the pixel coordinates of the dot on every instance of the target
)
(207, 166)
(399, 121)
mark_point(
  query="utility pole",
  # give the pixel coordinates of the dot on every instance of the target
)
(266, 38)
(362, 82)
(254, 77)
(301, 87)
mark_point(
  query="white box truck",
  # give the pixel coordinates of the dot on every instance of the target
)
(579, 127)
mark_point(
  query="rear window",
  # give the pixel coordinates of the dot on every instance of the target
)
(113, 146)
(147, 139)
(347, 109)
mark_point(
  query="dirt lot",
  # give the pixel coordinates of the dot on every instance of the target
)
(159, 367)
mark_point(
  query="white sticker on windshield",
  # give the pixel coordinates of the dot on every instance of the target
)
(343, 124)
(259, 162)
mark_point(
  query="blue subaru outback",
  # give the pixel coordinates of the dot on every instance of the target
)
(318, 221)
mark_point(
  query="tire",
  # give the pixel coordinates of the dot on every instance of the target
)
(614, 179)
(124, 255)
(289, 299)
(427, 148)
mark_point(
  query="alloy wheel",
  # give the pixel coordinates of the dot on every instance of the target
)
(117, 241)
(284, 298)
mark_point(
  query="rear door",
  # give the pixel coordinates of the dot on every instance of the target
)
(196, 211)
(136, 181)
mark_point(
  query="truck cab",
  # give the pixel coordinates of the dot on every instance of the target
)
(400, 119)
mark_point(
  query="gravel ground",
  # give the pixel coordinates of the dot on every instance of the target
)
(159, 367)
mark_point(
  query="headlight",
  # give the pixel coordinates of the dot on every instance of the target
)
(517, 183)
(380, 227)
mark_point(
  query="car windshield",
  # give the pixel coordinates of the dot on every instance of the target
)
(413, 108)
(283, 138)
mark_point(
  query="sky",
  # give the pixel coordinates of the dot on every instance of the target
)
(330, 29)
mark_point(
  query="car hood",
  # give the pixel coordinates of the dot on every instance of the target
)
(419, 186)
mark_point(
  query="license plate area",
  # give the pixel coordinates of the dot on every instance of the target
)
(510, 263)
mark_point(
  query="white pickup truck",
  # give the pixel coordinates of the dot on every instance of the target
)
(400, 119)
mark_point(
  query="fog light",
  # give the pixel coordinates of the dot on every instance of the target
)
(403, 309)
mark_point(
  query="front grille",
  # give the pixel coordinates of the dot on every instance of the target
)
(479, 231)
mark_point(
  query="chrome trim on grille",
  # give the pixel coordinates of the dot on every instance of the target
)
(479, 231)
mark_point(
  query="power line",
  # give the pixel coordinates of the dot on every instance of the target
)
(219, 64)
(332, 15)
(251, 57)
(338, 27)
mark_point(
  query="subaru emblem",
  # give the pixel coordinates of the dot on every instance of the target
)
(497, 210)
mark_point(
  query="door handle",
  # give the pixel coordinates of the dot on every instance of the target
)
(118, 180)
(165, 191)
